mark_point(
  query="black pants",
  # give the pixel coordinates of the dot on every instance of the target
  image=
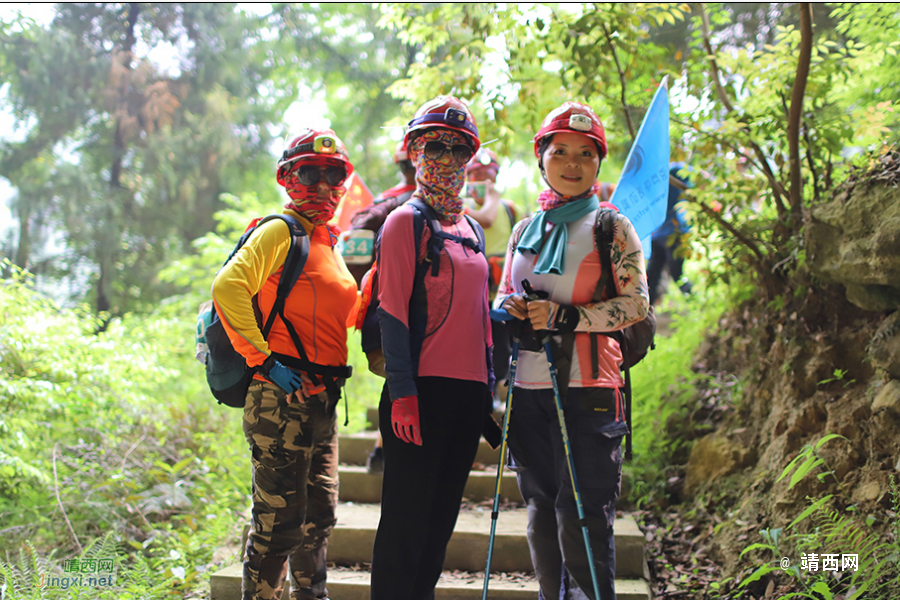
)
(423, 486)
(595, 425)
(661, 257)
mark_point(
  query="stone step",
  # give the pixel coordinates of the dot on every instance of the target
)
(355, 449)
(354, 585)
(353, 537)
(356, 485)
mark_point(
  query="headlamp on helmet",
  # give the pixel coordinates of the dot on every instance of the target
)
(575, 117)
(319, 147)
(324, 144)
(580, 122)
(454, 116)
(444, 111)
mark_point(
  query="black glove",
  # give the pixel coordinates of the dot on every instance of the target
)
(490, 429)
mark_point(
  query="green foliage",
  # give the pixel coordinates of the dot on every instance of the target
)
(827, 532)
(807, 460)
(125, 154)
(664, 382)
(341, 54)
(115, 433)
(742, 186)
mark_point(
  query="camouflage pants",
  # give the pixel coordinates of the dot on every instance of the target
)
(295, 491)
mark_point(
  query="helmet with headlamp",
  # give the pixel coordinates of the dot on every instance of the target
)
(484, 158)
(447, 112)
(313, 155)
(572, 117)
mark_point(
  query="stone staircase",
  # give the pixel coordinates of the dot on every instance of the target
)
(350, 544)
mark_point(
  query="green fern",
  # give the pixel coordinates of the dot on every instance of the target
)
(21, 580)
(878, 571)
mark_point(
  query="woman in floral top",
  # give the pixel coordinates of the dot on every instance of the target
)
(556, 252)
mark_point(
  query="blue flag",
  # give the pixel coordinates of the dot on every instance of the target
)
(643, 186)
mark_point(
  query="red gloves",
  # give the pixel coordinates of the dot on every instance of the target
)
(405, 419)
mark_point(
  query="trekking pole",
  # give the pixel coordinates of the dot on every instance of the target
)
(502, 315)
(568, 448)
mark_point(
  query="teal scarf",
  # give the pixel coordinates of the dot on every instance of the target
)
(551, 250)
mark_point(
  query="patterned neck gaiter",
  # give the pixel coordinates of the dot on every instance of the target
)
(438, 182)
(550, 198)
(305, 198)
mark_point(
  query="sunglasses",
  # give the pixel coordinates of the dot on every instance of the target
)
(311, 175)
(461, 153)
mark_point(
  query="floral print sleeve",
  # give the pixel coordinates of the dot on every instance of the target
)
(633, 302)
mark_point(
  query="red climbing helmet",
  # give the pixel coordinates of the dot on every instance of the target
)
(447, 112)
(572, 117)
(484, 158)
(400, 152)
(318, 146)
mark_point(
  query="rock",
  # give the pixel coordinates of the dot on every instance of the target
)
(715, 456)
(854, 240)
(888, 398)
(875, 298)
(867, 492)
(884, 349)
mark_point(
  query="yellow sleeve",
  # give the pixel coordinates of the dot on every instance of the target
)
(242, 278)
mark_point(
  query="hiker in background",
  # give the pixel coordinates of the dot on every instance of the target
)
(437, 397)
(364, 229)
(364, 225)
(555, 251)
(289, 415)
(497, 217)
(666, 241)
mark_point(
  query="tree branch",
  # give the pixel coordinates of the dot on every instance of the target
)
(796, 114)
(812, 164)
(718, 138)
(777, 189)
(615, 55)
(711, 57)
(715, 216)
(60, 504)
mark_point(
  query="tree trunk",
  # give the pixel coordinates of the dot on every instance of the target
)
(23, 250)
(106, 252)
(795, 115)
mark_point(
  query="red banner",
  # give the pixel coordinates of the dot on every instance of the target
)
(357, 198)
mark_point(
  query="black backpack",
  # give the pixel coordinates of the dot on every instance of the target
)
(636, 340)
(227, 372)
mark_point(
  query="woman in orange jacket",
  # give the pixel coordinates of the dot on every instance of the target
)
(289, 414)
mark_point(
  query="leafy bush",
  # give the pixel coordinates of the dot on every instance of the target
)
(664, 382)
(113, 433)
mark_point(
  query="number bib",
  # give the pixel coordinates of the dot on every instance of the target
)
(356, 246)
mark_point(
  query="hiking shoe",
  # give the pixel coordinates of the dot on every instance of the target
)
(375, 461)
